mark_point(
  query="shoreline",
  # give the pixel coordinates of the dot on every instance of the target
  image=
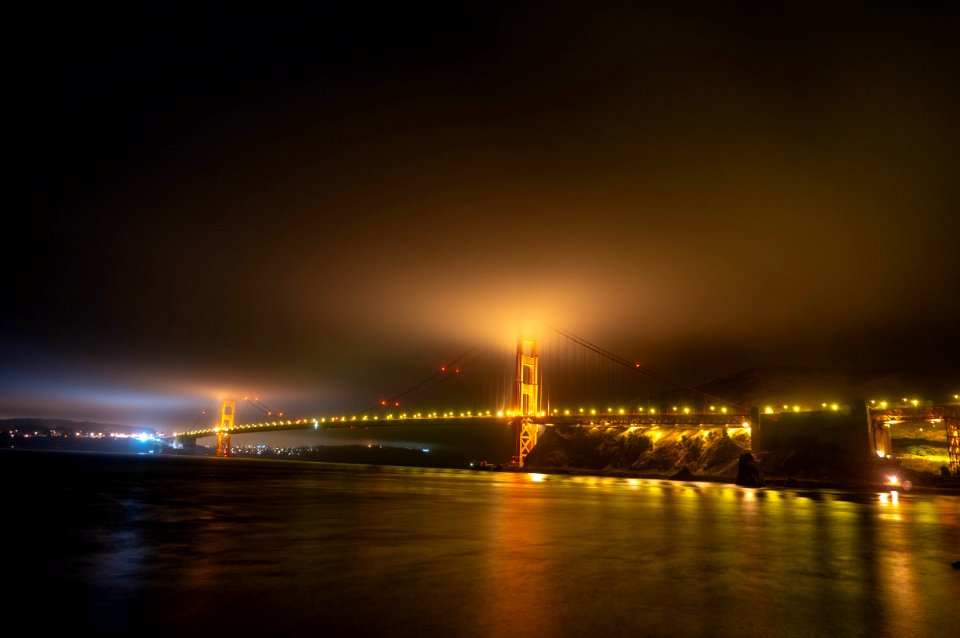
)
(775, 482)
(769, 483)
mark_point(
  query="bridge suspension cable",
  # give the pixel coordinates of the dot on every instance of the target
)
(258, 404)
(446, 372)
(636, 367)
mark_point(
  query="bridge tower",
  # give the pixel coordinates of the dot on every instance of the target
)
(528, 396)
(228, 412)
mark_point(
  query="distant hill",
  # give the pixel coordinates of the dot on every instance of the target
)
(65, 425)
(812, 386)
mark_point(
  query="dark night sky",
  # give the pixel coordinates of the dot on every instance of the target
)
(301, 204)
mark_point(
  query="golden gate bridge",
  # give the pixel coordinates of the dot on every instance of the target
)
(559, 379)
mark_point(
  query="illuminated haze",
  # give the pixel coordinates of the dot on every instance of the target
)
(320, 209)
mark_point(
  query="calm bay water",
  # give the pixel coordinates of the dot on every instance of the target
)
(172, 546)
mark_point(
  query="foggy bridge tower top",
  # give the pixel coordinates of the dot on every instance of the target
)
(528, 396)
(228, 412)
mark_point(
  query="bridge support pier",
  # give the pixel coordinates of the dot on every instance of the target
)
(528, 397)
(228, 411)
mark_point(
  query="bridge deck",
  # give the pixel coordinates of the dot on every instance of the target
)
(711, 419)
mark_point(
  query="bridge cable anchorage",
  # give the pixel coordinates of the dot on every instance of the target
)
(445, 373)
(639, 368)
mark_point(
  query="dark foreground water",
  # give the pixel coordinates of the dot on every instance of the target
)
(135, 546)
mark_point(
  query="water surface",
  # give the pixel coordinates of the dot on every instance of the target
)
(171, 546)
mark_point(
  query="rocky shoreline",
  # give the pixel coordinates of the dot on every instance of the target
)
(712, 455)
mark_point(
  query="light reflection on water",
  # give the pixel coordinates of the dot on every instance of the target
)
(171, 546)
